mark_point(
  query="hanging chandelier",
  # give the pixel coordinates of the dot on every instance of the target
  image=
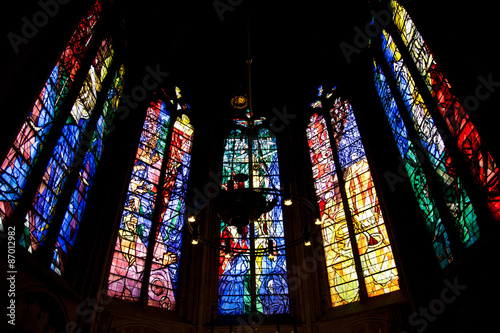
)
(242, 201)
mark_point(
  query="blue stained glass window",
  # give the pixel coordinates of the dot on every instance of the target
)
(235, 276)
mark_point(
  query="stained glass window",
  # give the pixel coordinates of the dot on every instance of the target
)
(262, 281)
(411, 159)
(457, 201)
(161, 167)
(359, 258)
(77, 147)
(22, 156)
(86, 175)
(483, 168)
(40, 215)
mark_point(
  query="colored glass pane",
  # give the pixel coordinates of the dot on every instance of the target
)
(411, 160)
(377, 260)
(374, 250)
(270, 271)
(432, 144)
(129, 257)
(26, 148)
(342, 275)
(483, 168)
(168, 240)
(78, 201)
(40, 215)
(235, 277)
(130, 260)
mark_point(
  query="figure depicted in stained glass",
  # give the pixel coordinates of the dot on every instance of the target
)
(168, 241)
(140, 213)
(129, 258)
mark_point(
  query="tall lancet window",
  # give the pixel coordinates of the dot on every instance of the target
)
(419, 182)
(359, 257)
(147, 250)
(252, 277)
(25, 151)
(88, 163)
(41, 213)
(483, 168)
(445, 204)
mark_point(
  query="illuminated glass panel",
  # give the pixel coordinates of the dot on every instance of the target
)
(270, 271)
(485, 171)
(456, 198)
(89, 163)
(342, 275)
(235, 276)
(167, 250)
(26, 148)
(234, 272)
(377, 261)
(411, 160)
(130, 260)
(235, 159)
(40, 215)
(129, 257)
(379, 271)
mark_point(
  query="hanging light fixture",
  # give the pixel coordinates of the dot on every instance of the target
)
(196, 235)
(240, 203)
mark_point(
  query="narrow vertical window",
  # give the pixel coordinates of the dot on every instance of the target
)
(418, 180)
(359, 257)
(168, 240)
(249, 282)
(457, 201)
(88, 166)
(164, 149)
